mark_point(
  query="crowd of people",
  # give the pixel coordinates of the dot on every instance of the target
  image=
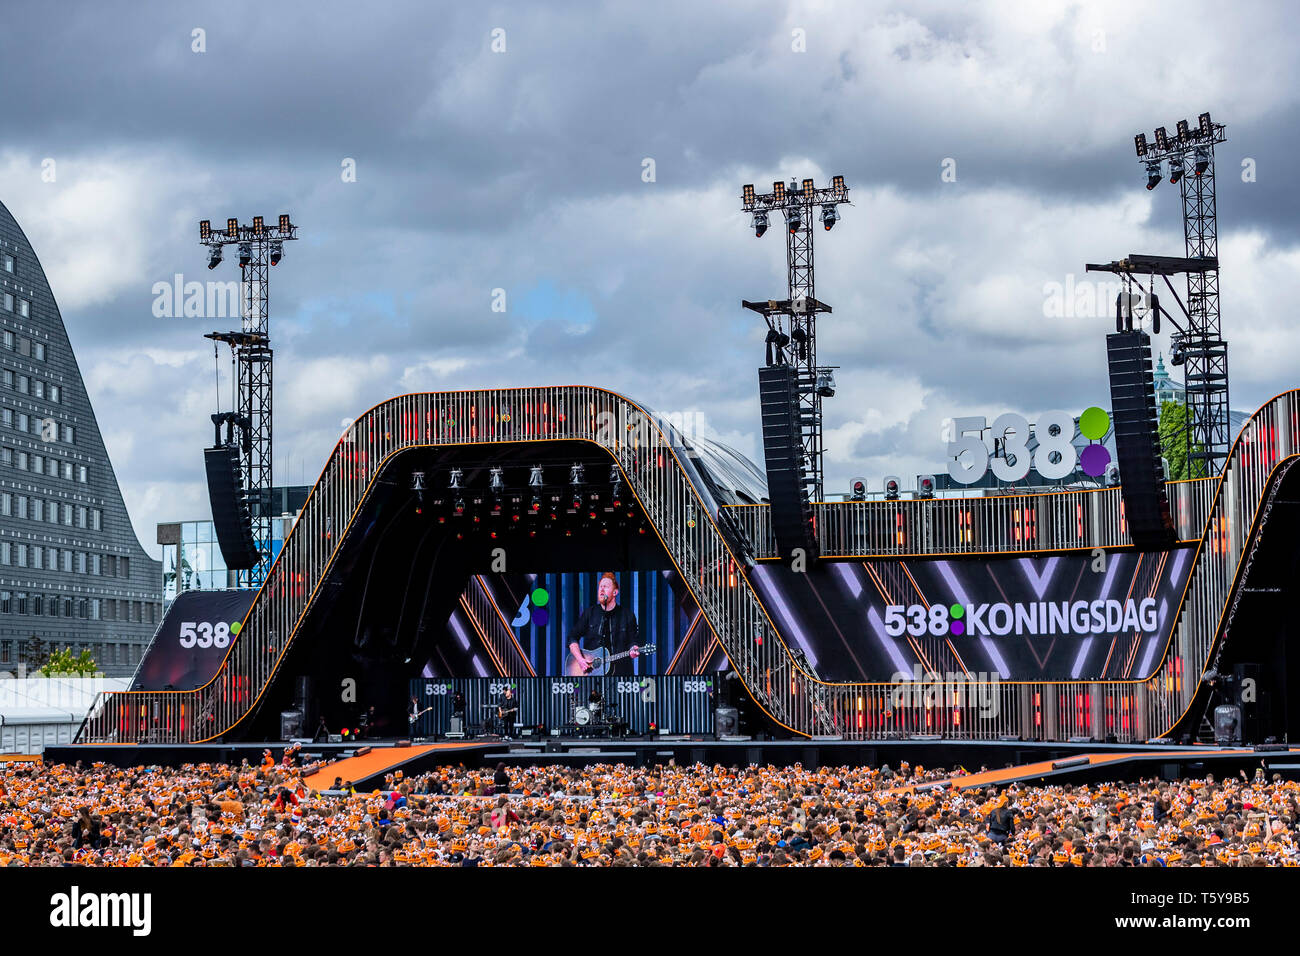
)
(616, 815)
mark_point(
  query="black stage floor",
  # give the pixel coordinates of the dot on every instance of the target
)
(995, 762)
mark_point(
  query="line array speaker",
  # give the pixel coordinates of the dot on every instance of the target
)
(230, 516)
(1137, 440)
(792, 518)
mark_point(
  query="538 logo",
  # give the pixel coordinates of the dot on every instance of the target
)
(1054, 458)
(206, 634)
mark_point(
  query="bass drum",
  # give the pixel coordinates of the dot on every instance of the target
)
(582, 717)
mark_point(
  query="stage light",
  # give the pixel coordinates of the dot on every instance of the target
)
(1184, 133)
(232, 228)
(808, 189)
(214, 255)
(495, 481)
(748, 194)
(859, 487)
(1140, 141)
(1175, 169)
(285, 226)
(826, 384)
(575, 474)
(1162, 139)
(837, 186)
(829, 216)
(258, 226)
(891, 489)
(205, 230)
(925, 486)
(277, 252)
(778, 192)
(760, 224)
(245, 254)
(459, 506)
(1112, 475)
(1153, 174)
(1207, 128)
(792, 217)
(417, 481)
(454, 480)
(1202, 160)
(535, 476)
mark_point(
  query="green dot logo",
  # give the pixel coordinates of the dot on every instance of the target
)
(540, 597)
(540, 616)
(236, 628)
(956, 626)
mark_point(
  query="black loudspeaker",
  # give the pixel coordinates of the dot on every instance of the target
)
(290, 724)
(230, 517)
(303, 702)
(1137, 441)
(1227, 724)
(1253, 700)
(726, 722)
(792, 518)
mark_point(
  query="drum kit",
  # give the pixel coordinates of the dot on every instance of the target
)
(593, 718)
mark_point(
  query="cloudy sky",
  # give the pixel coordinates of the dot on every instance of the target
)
(479, 168)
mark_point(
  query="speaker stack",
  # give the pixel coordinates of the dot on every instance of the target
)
(1137, 441)
(792, 518)
(230, 517)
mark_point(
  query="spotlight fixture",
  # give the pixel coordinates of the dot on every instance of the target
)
(277, 252)
(760, 224)
(1184, 132)
(285, 225)
(1140, 141)
(1206, 127)
(826, 384)
(535, 476)
(205, 230)
(459, 507)
(747, 194)
(859, 492)
(792, 217)
(837, 187)
(454, 482)
(891, 488)
(1202, 162)
(259, 225)
(1153, 174)
(495, 481)
(829, 216)
(808, 189)
(1175, 169)
(245, 254)
(232, 228)
(778, 191)
(575, 474)
(417, 481)
(1162, 139)
(925, 486)
(214, 255)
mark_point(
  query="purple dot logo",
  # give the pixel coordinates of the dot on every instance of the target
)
(957, 612)
(1093, 425)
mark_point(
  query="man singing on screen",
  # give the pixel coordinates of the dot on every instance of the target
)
(606, 634)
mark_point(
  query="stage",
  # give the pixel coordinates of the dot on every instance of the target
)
(990, 763)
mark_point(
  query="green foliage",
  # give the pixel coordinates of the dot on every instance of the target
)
(63, 664)
(1173, 442)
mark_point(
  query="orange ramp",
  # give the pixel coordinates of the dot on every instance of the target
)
(377, 761)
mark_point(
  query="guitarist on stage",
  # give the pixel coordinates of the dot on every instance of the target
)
(605, 624)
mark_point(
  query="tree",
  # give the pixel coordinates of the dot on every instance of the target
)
(63, 664)
(1173, 442)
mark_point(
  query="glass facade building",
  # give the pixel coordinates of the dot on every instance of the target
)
(72, 572)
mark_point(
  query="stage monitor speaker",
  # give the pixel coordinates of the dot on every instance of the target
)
(303, 702)
(230, 516)
(290, 724)
(1137, 441)
(456, 727)
(726, 722)
(792, 518)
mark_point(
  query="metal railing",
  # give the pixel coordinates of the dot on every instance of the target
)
(1035, 522)
(1129, 709)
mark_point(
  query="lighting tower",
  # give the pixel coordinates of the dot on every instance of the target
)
(259, 247)
(1202, 349)
(792, 322)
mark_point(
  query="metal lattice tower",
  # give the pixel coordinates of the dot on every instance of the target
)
(792, 322)
(260, 248)
(1206, 372)
(1202, 349)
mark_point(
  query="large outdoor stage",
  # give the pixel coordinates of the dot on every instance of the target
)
(457, 541)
